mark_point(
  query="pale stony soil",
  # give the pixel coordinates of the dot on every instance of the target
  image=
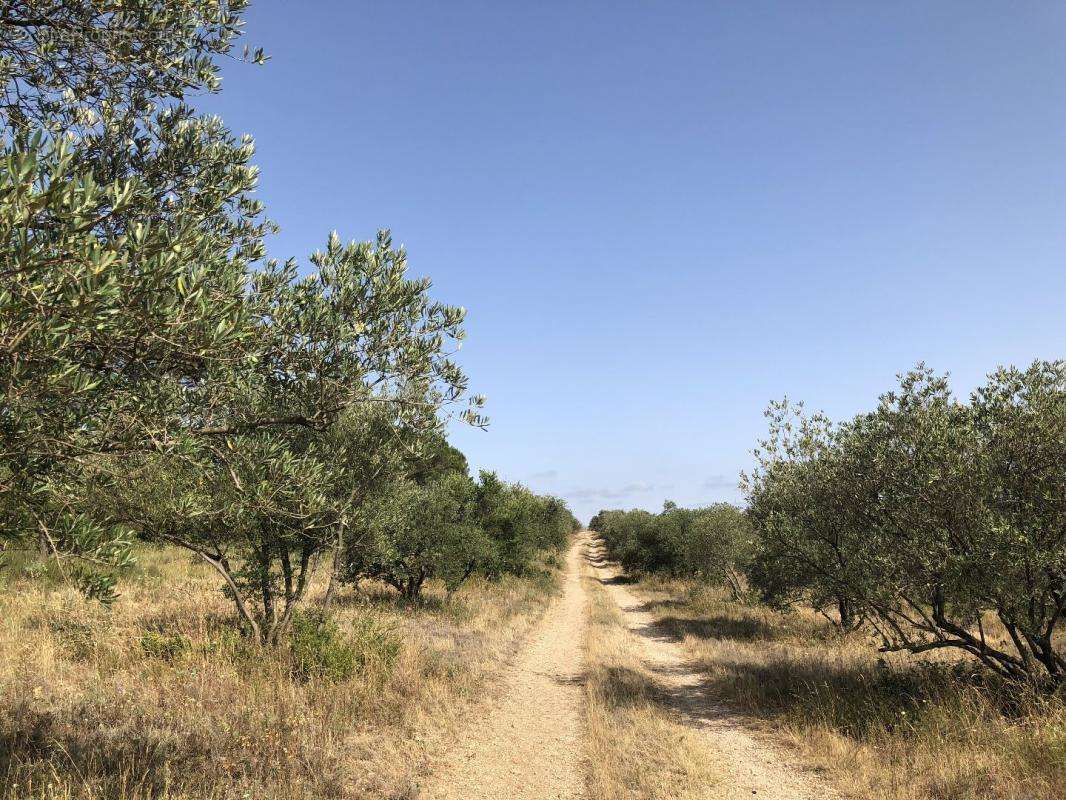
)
(528, 743)
(747, 765)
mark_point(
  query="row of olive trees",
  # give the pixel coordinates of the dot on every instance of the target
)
(712, 543)
(451, 527)
(932, 523)
(937, 523)
(160, 378)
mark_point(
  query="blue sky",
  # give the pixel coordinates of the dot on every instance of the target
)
(662, 215)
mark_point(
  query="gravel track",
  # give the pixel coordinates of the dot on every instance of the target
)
(527, 742)
(750, 765)
(529, 745)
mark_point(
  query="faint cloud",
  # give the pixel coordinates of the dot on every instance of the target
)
(720, 482)
(547, 475)
(610, 494)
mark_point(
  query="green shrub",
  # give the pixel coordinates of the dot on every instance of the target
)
(164, 646)
(320, 650)
(417, 533)
(712, 542)
(227, 642)
(520, 524)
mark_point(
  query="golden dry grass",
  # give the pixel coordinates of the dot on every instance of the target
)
(893, 727)
(157, 698)
(638, 749)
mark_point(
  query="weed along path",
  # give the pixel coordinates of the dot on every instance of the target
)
(746, 766)
(529, 745)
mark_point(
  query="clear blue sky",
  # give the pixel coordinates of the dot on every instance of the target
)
(662, 215)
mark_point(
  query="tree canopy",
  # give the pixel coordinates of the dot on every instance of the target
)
(147, 347)
(927, 517)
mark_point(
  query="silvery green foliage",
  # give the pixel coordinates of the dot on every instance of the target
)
(413, 533)
(67, 64)
(927, 517)
(339, 376)
(451, 527)
(145, 348)
(99, 327)
(520, 523)
(128, 232)
(711, 543)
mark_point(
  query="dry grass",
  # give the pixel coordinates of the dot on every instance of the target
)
(157, 698)
(637, 747)
(890, 728)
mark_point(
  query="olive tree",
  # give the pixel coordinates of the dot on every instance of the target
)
(98, 331)
(969, 523)
(717, 546)
(128, 230)
(267, 479)
(415, 533)
(633, 538)
(934, 520)
(712, 543)
(810, 546)
(140, 334)
(1020, 416)
(520, 523)
(450, 527)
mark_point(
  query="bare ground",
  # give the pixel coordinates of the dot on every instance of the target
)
(529, 743)
(749, 765)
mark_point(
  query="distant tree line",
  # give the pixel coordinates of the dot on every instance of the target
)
(452, 527)
(712, 543)
(930, 522)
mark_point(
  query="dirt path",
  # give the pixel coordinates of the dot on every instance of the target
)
(529, 746)
(750, 766)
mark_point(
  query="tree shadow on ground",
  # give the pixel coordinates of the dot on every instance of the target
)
(720, 626)
(856, 699)
(617, 580)
(651, 606)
